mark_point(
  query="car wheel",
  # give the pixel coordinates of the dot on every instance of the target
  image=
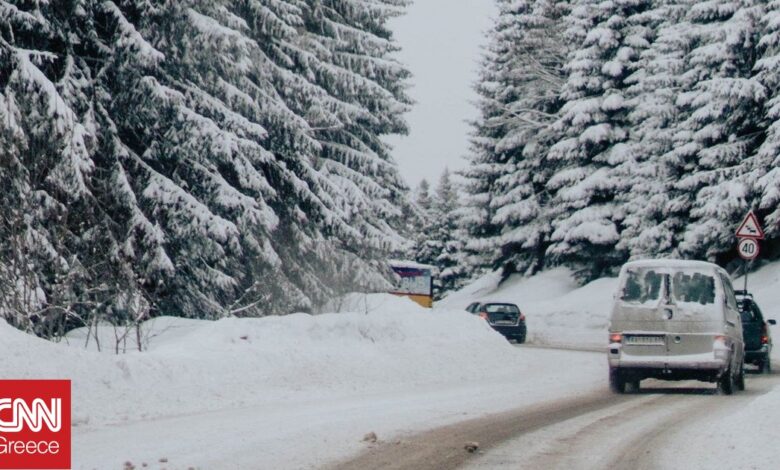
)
(617, 383)
(741, 379)
(521, 340)
(726, 383)
(633, 386)
(766, 365)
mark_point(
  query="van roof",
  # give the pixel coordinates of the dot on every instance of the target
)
(672, 263)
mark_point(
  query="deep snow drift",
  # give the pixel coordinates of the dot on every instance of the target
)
(385, 340)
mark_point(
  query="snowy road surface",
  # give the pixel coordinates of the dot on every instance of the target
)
(315, 430)
(652, 429)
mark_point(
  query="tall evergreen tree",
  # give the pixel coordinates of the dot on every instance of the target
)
(765, 171)
(447, 236)
(651, 224)
(424, 249)
(594, 131)
(186, 150)
(519, 90)
(720, 128)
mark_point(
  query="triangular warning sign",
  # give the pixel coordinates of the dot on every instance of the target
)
(750, 228)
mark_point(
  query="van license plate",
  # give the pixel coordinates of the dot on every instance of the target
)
(645, 340)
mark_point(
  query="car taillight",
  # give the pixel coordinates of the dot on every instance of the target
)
(721, 341)
(522, 317)
(764, 335)
(483, 315)
(616, 337)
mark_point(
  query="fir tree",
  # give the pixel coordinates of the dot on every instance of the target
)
(446, 236)
(594, 131)
(519, 89)
(765, 170)
(720, 128)
(215, 157)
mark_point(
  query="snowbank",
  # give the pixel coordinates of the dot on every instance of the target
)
(387, 340)
(320, 381)
(558, 312)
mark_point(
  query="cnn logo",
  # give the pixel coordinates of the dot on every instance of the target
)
(35, 424)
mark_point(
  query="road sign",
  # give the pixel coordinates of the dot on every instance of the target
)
(750, 228)
(748, 248)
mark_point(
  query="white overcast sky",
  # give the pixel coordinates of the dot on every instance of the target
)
(441, 43)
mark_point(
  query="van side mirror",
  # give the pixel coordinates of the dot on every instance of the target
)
(771, 322)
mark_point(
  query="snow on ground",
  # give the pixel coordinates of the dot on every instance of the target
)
(300, 390)
(560, 313)
(557, 311)
(297, 390)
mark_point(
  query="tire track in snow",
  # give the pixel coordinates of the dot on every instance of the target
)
(595, 431)
(443, 447)
(640, 453)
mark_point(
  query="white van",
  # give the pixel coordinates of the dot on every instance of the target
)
(675, 320)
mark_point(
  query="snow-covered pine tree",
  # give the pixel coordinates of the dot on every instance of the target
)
(50, 263)
(591, 152)
(183, 151)
(423, 249)
(422, 196)
(519, 87)
(350, 58)
(533, 53)
(720, 127)
(446, 237)
(765, 171)
(650, 226)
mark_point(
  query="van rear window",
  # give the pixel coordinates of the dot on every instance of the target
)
(642, 285)
(648, 285)
(693, 287)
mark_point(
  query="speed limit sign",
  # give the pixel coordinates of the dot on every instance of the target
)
(748, 248)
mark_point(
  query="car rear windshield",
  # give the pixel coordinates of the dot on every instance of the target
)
(502, 312)
(647, 285)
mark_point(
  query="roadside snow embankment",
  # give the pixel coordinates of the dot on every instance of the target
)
(191, 366)
(560, 313)
(557, 311)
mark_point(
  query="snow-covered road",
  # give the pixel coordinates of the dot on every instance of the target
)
(652, 429)
(665, 426)
(308, 430)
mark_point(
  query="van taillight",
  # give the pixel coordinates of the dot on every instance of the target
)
(616, 337)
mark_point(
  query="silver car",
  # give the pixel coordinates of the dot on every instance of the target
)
(675, 320)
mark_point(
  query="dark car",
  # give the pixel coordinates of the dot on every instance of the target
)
(502, 317)
(755, 330)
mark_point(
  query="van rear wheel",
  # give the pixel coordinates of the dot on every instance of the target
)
(741, 379)
(726, 383)
(617, 383)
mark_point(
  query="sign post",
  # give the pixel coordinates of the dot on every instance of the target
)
(748, 235)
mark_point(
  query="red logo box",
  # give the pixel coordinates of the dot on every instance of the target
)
(35, 424)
